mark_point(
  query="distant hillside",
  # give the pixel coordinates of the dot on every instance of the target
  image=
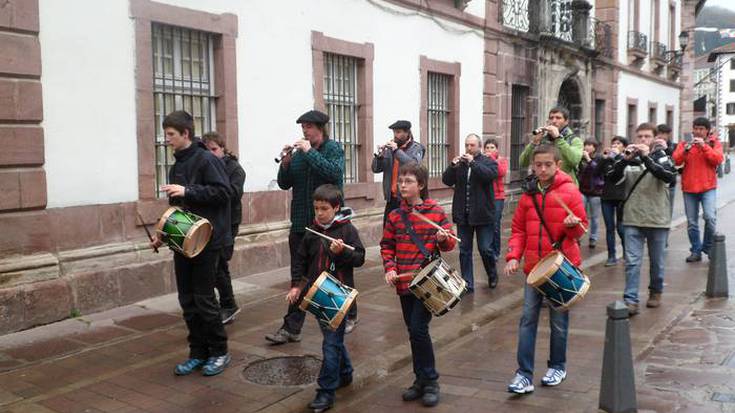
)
(713, 17)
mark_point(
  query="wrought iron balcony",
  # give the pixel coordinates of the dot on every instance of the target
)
(676, 61)
(515, 15)
(599, 37)
(637, 43)
(658, 51)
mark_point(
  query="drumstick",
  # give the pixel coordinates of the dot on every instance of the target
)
(566, 208)
(434, 224)
(349, 247)
(140, 218)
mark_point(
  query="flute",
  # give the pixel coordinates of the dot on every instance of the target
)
(566, 208)
(284, 154)
(327, 237)
(435, 225)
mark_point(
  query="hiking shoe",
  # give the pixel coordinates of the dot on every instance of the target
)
(414, 392)
(611, 262)
(228, 314)
(350, 325)
(188, 367)
(282, 337)
(654, 300)
(431, 394)
(216, 365)
(520, 385)
(553, 377)
(694, 258)
(632, 309)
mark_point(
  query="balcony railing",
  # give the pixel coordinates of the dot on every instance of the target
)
(637, 42)
(677, 61)
(600, 37)
(514, 14)
(658, 51)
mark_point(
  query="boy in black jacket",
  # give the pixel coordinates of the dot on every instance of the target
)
(315, 255)
(198, 183)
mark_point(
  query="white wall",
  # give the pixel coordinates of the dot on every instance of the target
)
(634, 87)
(645, 25)
(89, 83)
(88, 102)
(724, 95)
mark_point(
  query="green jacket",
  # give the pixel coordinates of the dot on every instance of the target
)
(570, 148)
(305, 173)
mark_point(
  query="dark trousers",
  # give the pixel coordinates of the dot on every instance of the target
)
(393, 203)
(612, 214)
(195, 279)
(293, 321)
(417, 319)
(335, 360)
(484, 245)
(223, 281)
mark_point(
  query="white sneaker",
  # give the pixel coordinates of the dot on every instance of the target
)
(553, 377)
(520, 385)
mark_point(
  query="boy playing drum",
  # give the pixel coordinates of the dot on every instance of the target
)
(316, 255)
(401, 255)
(541, 225)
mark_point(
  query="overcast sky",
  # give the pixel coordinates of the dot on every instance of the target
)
(728, 4)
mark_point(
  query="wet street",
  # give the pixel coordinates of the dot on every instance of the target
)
(122, 360)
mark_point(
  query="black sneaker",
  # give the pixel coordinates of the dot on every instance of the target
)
(414, 392)
(321, 402)
(431, 394)
(228, 314)
(694, 258)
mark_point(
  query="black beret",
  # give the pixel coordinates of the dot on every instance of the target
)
(401, 124)
(313, 116)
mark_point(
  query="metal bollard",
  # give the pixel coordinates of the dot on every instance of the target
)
(717, 282)
(617, 386)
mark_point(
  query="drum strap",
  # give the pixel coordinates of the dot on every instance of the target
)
(635, 184)
(414, 237)
(554, 244)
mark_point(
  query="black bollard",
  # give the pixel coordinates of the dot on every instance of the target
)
(617, 387)
(717, 283)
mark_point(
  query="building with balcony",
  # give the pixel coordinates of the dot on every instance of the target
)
(722, 71)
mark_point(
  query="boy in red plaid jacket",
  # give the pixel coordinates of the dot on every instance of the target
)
(401, 255)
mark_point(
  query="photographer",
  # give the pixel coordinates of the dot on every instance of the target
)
(647, 172)
(700, 158)
(557, 133)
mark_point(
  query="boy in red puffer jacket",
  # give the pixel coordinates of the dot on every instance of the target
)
(531, 241)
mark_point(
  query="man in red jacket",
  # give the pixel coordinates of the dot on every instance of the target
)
(530, 240)
(700, 158)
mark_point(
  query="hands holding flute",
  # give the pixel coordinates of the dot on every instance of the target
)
(287, 152)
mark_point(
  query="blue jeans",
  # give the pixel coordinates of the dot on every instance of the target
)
(656, 241)
(709, 209)
(499, 204)
(612, 214)
(559, 325)
(592, 207)
(417, 319)
(336, 361)
(484, 245)
(672, 193)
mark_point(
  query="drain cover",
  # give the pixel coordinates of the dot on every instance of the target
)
(283, 371)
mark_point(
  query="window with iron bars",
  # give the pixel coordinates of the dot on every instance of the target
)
(519, 97)
(340, 98)
(438, 122)
(182, 80)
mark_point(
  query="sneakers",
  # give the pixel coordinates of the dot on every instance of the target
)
(553, 377)
(188, 367)
(228, 314)
(593, 244)
(413, 393)
(282, 337)
(520, 385)
(694, 257)
(321, 402)
(216, 365)
(431, 394)
(350, 325)
(632, 309)
(611, 262)
(654, 300)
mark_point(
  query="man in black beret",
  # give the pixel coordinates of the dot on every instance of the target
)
(310, 162)
(389, 159)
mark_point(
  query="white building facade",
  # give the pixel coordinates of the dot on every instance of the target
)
(724, 74)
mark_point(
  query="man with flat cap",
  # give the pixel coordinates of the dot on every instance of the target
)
(398, 151)
(310, 162)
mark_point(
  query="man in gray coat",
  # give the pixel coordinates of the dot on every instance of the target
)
(400, 150)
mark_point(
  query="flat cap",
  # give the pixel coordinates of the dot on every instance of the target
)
(313, 116)
(401, 124)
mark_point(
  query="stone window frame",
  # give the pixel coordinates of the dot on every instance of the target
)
(454, 70)
(654, 106)
(630, 127)
(365, 55)
(224, 27)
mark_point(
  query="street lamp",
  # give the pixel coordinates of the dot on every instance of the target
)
(683, 40)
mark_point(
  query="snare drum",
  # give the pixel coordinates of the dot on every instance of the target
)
(184, 232)
(438, 286)
(329, 300)
(559, 280)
